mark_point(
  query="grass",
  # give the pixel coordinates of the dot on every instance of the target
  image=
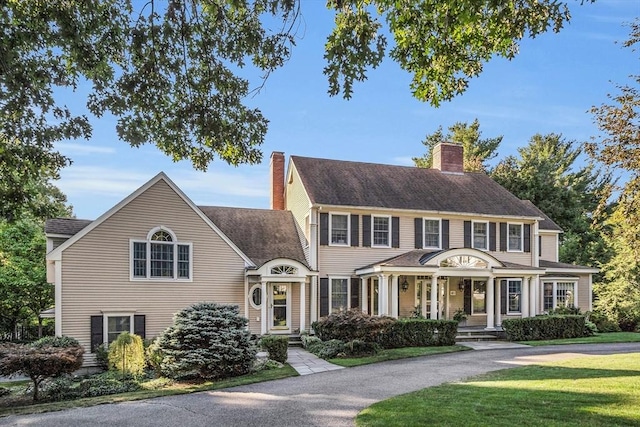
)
(587, 391)
(396, 353)
(611, 337)
(174, 389)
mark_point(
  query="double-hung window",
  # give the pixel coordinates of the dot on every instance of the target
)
(514, 296)
(558, 294)
(339, 295)
(431, 233)
(514, 238)
(381, 231)
(117, 325)
(339, 224)
(161, 256)
(480, 235)
(479, 294)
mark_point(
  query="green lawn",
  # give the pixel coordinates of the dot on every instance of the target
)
(396, 353)
(611, 337)
(177, 388)
(586, 391)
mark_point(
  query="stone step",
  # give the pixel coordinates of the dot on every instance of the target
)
(295, 341)
(476, 337)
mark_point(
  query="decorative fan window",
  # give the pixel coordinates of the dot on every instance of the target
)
(161, 256)
(463, 261)
(284, 269)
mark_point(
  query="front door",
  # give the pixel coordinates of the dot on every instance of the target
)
(280, 306)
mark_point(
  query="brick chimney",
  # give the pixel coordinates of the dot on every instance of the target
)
(277, 180)
(448, 157)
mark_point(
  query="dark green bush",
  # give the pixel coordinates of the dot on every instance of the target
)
(58, 342)
(419, 333)
(276, 346)
(563, 311)
(102, 356)
(103, 385)
(603, 323)
(359, 348)
(351, 325)
(544, 327)
(61, 388)
(323, 349)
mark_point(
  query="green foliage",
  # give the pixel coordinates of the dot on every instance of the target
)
(126, 354)
(102, 385)
(276, 346)
(62, 341)
(419, 333)
(545, 327)
(351, 325)
(359, 348)
(102, 356)
(40, 361)
(208, 341)
(603, 324)
(326, 349)
(564, 310)
(154, 357)
(477, 152)
(4, 391)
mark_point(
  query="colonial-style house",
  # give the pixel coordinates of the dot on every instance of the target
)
(390, 240)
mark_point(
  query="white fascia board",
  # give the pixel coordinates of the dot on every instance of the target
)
(587, 270)
(518, 272)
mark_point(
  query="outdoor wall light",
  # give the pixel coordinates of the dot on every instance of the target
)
(405, 285)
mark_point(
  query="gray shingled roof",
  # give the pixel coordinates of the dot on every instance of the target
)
(261, 234)
(552, 265)
(65, 226)
(345, 183)
(547, 223)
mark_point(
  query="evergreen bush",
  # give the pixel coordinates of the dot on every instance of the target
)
(207, 341)
(126, 354)
(352, 325)
(544, 327)
(419, 333)
(276, 346)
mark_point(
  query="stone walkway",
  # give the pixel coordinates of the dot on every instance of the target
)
(306, 363)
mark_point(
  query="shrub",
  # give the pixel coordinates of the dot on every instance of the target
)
(603, 323)
(590, 328)
(126, 354)
(352, 325)
(102, 385)
(563, 311)
(208, 341)
(419, 333)
(4, 391)
(544, 327)
(276, 346)
(45, 358)
(154, 357)
(359, 348)
(60, 388)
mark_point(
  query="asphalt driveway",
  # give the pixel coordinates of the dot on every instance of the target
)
(326, 399)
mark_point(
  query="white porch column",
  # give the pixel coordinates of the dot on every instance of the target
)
(383, 289)
(434, 297)
(263, 311)
(364, 297)
(313, 299)
(303, 306)
(498, 306)
(533, 293)
(246, 298)
(524, 306)
(423, 297)
(394, 296)
(490, 304)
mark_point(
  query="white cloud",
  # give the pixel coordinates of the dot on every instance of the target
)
(72, 148)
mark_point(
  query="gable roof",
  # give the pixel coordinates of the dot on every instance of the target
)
(262, 234)
(357, 184)
(546, 223)
(56, 253)
(65, 226)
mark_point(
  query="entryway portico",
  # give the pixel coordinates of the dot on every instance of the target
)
(436, 284)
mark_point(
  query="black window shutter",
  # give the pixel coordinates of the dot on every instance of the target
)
(395, 232)
(418, 232)
(467, 296)
(539, 245)
(467, 234)
(492, 236)
(366, 230)
(355, 230)
(96, 332)
(139, 325)
(324, 297)
(355, 292)
(324, 229)
(503, 296)
(445, 234)
(503, 236)
(527, 237)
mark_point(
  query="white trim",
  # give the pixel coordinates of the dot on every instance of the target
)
(58, 235)
(486, 235)
(57, 304)
(271, 327)
(555, 270)
(514, 279)
(424, 232)
(486, 292)
(57, 252)
(348, 242)
(554, 290)
(175, 243)
(348, 280)
(105, 322)
(521, 237)
(389, 220)
(250, 296)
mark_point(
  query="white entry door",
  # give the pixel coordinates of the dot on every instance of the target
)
(280, 312)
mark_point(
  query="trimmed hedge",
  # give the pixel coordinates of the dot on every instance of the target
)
(419, 333)
(352, 325)
(276, 346)
(544, 328)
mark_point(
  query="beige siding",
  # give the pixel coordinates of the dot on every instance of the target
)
(294, 304)
(549, 247)
(96, 277)
(583, 292)
(297, 200)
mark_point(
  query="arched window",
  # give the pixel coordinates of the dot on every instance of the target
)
(284, 269)
(161, 256)
(463, 261)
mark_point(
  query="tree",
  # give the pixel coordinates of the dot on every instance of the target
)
(545, 174)
(126, 354)
(172, 74)
(476, 151)
(207, 341)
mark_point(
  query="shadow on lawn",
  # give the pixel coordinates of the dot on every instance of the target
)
(541, 372)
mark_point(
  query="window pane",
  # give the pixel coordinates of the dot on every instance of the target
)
(515, 237)
(479, 293)
(380, 231)
(431, 233)
(548, 296)
(183, 261)
(256, 297)
(564, 294)
(161, 236)
(117, 325)
(480, 235)
(338, 295)
(514, 292)
(139, 259)
(339, 229)
(161, 260)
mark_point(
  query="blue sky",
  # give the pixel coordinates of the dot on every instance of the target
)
(548, 87)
